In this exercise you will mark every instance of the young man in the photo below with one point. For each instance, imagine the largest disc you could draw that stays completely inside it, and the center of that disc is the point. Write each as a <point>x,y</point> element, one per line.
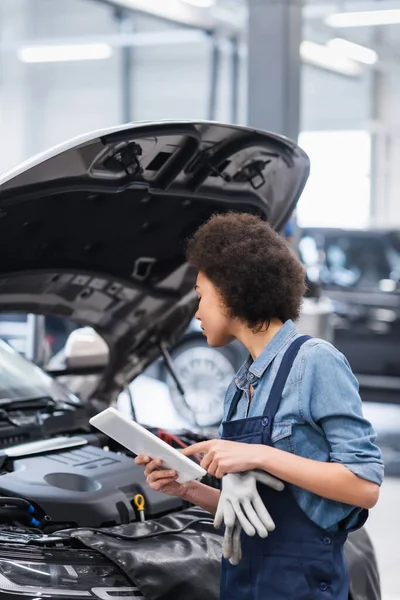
<point>293,411</point>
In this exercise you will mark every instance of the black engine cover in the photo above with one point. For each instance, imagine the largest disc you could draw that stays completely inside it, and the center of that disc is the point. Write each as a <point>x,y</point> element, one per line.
<point>88,486</point>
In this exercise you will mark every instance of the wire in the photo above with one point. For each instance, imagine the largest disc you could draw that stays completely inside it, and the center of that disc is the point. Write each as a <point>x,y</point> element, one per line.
<point>10,500</point>
<point>147,535</point>
<point>131,403</point>
<point>170,437</point>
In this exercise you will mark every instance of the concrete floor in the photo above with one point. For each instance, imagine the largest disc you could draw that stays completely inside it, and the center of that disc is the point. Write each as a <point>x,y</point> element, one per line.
<point>384,527</point>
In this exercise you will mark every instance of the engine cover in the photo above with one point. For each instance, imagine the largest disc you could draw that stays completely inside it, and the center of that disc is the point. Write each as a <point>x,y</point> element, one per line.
<point>87,487</point>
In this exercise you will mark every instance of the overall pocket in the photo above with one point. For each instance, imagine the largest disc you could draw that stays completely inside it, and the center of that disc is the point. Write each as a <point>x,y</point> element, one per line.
<point>280,578</point>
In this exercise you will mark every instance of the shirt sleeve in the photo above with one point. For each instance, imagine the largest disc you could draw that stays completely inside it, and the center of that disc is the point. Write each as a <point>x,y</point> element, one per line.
<point>335,407</point>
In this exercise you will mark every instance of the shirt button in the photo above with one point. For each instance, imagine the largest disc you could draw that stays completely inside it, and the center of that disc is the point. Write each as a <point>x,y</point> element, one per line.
<point>327,541</point>
<point>251,376</point>
<point>265,421</point>
<point>323,586</point>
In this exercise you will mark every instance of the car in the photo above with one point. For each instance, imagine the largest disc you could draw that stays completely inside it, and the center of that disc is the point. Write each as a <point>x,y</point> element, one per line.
<point>94,231</point>
<point>359,270</point>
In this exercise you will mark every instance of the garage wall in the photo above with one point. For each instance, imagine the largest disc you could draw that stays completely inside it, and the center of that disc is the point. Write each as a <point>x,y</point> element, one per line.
<point>43,104</point>
<point>330,101</point>
<point>387,169</point>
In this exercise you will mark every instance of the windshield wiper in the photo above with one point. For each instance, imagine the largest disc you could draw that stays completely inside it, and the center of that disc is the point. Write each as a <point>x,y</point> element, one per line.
<point>35,402</point>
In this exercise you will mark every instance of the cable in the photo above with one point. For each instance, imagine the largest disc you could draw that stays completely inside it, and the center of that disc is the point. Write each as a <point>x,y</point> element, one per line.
<point>131,403</point>
<point>11,514</point>
<point>170,437</point>
<point>147,535</point>
<point>10,500</point>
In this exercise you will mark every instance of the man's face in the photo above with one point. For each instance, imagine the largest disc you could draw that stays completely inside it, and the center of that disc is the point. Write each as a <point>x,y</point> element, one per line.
<point>212,314</point>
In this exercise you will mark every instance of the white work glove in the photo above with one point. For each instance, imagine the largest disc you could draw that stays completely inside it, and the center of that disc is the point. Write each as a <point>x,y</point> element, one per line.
<point>231,545</point>
<point>240,507</point>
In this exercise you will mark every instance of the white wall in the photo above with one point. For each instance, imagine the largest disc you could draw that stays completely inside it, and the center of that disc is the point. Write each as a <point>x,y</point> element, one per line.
<point>387,211</point>
<point>43,104</point>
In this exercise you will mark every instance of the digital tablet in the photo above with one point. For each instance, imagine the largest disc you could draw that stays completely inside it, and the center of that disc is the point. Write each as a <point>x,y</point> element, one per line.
<point>139,440</point>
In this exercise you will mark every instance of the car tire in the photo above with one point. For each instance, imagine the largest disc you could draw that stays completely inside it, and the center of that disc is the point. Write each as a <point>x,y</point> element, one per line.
<point>205,374</point>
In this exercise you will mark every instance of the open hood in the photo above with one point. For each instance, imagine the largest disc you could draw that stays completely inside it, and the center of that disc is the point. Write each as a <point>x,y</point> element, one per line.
<point>95,229</point>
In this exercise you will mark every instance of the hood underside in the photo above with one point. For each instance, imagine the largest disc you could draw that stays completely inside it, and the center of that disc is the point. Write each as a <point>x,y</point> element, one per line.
<point>95,230</point>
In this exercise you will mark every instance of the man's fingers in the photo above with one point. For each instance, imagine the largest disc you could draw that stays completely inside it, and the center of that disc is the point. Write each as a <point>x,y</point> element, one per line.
<point>270,481</point>
<point>263,514</point>
<point>244,522</point>
<point>199,448</point>
<point>254,519</point>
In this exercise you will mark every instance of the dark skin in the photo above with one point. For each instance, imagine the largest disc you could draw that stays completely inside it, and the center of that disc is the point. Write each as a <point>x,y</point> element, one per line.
<point>328,480</point>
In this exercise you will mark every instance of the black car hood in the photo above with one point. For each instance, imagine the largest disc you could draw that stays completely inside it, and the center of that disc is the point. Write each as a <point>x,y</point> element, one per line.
<point>94,230</point>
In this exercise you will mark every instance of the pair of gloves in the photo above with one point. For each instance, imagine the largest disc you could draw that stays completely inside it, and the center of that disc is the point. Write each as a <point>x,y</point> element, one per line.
<point>240,507</point>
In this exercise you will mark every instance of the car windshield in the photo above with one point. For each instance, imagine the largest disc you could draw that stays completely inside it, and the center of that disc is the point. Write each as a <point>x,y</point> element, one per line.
<point>20,378</point>
<point>362,260</point>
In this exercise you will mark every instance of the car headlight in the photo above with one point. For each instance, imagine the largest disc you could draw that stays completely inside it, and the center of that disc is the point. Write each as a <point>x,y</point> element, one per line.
<point>62,573</point>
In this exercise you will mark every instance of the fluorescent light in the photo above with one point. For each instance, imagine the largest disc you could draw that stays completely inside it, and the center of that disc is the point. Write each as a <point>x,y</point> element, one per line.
<point>326,58</point>
<point>364,18</point>
<point>354,51</point>
<point>200,3</point>
<point>57,53</point>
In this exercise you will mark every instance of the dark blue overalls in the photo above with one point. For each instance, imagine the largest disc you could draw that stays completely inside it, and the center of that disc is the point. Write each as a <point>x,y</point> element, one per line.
<point>299,560</point>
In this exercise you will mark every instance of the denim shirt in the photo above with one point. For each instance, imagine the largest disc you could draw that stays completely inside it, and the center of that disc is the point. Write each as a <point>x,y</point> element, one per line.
<point>320,416</point>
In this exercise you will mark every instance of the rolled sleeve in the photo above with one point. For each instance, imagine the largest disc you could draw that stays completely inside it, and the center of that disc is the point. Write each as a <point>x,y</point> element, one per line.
<point>336,408</point>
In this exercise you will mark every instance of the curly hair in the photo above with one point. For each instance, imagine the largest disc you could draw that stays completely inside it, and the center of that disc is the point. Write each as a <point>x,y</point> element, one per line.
<point>256,274</point>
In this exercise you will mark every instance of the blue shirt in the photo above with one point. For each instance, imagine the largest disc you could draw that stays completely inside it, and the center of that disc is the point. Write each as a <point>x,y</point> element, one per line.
<point>320,416</point>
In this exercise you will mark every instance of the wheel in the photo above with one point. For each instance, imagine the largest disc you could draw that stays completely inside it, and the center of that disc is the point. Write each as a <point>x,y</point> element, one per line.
<point>205,374</point>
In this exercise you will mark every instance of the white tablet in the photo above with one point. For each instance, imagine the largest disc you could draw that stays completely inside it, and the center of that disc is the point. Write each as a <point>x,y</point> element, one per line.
<point>139,440</point>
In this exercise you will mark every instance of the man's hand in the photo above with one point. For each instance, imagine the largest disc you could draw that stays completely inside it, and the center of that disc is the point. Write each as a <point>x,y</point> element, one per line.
<point>222,457</point>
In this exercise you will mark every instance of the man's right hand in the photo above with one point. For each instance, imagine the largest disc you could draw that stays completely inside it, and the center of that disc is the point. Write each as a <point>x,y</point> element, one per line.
<point>161,480</point>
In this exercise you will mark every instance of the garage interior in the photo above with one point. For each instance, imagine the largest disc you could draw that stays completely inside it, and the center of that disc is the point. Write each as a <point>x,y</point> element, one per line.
<point>325,73</point>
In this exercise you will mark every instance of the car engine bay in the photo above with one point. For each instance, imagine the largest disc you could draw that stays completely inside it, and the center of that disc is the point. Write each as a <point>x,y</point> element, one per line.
<point>57,491</point>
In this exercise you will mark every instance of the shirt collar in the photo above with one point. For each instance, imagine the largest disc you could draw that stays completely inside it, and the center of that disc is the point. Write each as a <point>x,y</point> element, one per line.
<point>282,338</point>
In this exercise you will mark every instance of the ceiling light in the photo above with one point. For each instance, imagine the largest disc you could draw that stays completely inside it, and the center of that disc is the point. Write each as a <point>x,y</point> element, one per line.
<point>200,3</point>
<point>58,53</point>
<point>326,58</point>
<point>364,18</point>
<point>354,51</point>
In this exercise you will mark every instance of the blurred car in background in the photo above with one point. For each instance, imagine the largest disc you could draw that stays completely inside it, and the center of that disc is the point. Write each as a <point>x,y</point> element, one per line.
<point>359,270</point>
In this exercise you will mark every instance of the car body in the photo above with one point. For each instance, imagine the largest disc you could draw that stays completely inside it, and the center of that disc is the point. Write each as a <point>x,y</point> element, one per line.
<point>359,270</point>
<point>94,231</point>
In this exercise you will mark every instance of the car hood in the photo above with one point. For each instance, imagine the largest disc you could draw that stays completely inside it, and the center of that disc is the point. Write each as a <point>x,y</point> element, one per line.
<point>94,229</point>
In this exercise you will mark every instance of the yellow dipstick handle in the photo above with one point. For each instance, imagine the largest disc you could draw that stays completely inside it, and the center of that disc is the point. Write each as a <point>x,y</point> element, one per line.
<point>139,503</point>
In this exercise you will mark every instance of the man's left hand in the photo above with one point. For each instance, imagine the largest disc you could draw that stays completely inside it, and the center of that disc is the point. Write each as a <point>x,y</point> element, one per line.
<point>222,456</point>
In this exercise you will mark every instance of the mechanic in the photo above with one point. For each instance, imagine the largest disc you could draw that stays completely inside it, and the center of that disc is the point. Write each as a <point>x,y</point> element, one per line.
<point>293,411</point>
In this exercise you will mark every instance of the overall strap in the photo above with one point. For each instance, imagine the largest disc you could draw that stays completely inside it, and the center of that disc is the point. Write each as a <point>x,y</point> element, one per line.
<point>275,395</point>
<point>280,380</point>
